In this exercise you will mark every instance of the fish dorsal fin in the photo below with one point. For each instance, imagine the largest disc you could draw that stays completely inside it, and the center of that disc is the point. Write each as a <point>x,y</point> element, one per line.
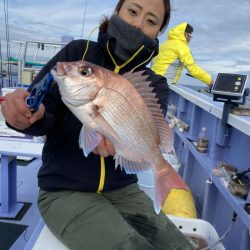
<point>142,85</point>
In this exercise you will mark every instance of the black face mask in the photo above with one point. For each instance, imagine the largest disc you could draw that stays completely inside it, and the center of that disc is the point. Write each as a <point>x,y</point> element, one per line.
<point>125,39</point>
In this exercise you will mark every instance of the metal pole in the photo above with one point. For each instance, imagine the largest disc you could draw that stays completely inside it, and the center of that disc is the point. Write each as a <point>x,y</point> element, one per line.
<point>1,68</point>
<point>84,15</point>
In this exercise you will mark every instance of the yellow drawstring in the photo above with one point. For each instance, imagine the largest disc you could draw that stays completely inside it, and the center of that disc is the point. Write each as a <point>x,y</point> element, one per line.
<point>87,46</point>
<point>116,70</point>
<point>102,171</point>
<point>102,175</point>
<point>144,61</point>
<point>118,67</point>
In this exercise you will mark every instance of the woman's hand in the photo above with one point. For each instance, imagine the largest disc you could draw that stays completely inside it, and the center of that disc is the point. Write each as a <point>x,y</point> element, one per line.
<point>105,148</point>
<point>17,113</point>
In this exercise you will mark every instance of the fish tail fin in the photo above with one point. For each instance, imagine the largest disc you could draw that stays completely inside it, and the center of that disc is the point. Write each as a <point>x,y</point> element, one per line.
<point>166,179</point>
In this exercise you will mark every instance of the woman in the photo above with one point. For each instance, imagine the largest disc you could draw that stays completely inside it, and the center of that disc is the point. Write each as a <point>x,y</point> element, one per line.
<point>85,202</point>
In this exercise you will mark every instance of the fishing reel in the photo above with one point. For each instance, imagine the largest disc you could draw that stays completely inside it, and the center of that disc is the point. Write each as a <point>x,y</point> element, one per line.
<point>239,184</point>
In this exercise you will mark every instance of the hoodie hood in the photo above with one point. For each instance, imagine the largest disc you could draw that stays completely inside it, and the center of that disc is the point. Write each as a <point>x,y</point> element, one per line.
<point>177,33</point>
<point>124,41</point>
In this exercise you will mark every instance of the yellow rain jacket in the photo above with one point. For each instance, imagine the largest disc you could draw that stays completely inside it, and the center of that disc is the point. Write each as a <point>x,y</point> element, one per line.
<point>174,54</point>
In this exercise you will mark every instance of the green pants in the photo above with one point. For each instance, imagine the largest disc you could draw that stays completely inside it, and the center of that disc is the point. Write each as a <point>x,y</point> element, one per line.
<point>122,219</point>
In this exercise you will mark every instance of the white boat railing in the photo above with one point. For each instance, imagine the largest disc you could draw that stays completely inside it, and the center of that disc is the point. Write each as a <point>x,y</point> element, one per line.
<point>26,60</point>
<point>28,69</point>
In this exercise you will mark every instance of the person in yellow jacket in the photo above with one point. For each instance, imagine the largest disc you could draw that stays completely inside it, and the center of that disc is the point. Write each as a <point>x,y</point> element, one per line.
<point>175,54</point>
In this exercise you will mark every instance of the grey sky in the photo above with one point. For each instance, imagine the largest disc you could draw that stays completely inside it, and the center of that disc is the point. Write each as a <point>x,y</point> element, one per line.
<point>221,38</point>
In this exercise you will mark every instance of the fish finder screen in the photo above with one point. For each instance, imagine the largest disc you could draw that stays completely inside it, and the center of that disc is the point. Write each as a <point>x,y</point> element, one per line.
<point>230,83</point>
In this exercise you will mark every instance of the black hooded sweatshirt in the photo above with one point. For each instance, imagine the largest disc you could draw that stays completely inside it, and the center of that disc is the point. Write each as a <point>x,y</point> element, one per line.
<point>64,166</point>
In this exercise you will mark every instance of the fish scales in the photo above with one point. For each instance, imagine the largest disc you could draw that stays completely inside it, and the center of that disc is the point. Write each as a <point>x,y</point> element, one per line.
<point>123,117</point>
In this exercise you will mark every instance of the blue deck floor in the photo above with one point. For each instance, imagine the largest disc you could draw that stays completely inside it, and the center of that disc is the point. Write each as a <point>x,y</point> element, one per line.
<point>27,191</point>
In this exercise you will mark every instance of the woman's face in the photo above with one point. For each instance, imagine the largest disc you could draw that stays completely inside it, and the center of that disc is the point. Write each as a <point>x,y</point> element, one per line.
<point>146,15</point>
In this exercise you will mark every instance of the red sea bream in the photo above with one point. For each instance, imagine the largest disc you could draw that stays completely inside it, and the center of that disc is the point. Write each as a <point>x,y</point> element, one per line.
<point>124,110</point>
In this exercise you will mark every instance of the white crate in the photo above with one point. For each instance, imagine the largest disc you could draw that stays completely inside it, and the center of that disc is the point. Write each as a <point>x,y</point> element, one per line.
<point>198,228</point>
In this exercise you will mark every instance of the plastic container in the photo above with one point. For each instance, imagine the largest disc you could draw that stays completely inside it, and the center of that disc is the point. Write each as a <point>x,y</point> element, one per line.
<point>146,179</point>
<point>172,160</point>
<point>146,182</point>
<point>198,229</point>
<point>46,240</point>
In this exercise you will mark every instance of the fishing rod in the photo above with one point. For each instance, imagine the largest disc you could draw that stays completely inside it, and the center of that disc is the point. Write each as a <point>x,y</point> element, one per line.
<point>187,74</point>
<point>84,16</point>
<point>1,68</point>
<point>6,18</point>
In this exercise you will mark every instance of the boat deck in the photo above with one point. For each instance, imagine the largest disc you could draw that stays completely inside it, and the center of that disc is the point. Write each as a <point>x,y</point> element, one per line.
<point>214,201</point>
<point>18,231</point>
<point>19,214</point>
<point>228,144</point>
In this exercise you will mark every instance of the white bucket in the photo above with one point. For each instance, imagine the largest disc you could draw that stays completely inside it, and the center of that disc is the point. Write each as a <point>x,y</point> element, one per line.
<point>46,240</point>
<point>198,229</point>
<point>172,160</point>
<point>146,178</point>
<point>146,182</point>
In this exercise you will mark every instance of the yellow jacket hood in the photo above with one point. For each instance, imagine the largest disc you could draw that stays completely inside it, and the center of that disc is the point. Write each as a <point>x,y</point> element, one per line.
<point>177,33</point>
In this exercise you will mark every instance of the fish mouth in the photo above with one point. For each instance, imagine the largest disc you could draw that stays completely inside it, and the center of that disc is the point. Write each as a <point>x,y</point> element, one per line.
<point>57,76</point>
<point>60,69</point>
<point>58,72</point>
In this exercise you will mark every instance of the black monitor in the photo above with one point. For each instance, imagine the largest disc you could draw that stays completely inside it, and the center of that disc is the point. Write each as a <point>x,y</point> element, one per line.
<point>230,86</point>
<point>230,89</point>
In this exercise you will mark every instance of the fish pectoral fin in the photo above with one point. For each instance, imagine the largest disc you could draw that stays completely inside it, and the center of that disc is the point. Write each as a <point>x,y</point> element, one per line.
<point>165,180</point>
<point>131,167</point>
<point>106,129</point>
<point>88,140</point>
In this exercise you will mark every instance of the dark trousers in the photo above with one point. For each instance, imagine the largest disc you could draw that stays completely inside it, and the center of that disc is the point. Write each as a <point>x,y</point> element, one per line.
<point>122,219</point>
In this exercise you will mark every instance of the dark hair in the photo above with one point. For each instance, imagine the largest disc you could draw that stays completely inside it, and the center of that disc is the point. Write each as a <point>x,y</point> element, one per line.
<point>104,22</point>
<point>189,29</point>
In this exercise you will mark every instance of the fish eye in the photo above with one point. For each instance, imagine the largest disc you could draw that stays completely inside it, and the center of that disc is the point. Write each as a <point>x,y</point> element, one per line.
<point>86,71</point>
